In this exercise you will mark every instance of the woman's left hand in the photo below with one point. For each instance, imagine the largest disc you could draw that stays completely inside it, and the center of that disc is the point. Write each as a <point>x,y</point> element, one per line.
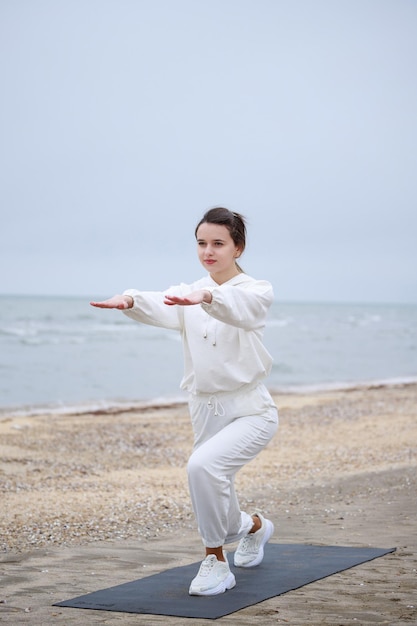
<point>196,297</point>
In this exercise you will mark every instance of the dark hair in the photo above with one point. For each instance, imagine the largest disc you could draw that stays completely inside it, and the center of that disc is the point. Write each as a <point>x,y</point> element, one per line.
<point>234,222</point>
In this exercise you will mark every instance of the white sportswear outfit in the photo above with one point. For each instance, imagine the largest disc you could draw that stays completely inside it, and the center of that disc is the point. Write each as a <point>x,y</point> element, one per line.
<point>232,413</point>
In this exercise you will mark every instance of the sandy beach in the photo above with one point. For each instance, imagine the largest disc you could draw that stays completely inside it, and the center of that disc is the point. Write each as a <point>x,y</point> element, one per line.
<point>94,500</point>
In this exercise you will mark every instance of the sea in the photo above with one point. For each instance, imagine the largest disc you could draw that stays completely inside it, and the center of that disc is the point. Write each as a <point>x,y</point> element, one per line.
<point>59,354</point>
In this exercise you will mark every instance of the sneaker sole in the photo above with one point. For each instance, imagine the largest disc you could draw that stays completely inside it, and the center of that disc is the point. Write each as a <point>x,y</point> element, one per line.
<point>257,560</point>
<point>229,583</point>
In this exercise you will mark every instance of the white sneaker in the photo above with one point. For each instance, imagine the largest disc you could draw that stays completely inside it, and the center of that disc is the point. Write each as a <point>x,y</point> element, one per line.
<point>213,577</point>
<point>250,550</point>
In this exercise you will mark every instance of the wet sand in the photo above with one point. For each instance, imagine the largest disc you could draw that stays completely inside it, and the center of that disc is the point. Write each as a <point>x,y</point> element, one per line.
<point>91,501</point>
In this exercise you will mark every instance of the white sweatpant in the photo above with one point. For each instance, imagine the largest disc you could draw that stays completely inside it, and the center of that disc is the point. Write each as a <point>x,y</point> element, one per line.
<point>229,431</point>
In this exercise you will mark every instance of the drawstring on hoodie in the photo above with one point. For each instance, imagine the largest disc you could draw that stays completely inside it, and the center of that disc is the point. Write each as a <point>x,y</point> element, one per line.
<point>205,335</point>
<point>214,403</point>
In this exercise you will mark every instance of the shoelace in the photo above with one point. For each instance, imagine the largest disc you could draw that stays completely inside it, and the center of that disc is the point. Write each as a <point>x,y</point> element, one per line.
<point>214,403</point>
<point>246,542</point>
<point>206,566</point>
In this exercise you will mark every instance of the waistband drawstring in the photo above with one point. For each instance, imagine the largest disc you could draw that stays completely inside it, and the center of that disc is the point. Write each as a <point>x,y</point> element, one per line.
<point>216,405</point>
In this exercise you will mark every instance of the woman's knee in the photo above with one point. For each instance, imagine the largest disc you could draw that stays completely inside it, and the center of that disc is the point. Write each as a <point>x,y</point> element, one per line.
<point>194,466</point>
<point>199,465</point>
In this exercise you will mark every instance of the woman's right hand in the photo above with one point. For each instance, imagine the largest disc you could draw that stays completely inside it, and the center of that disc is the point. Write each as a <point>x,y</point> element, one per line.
<point>116,302</point>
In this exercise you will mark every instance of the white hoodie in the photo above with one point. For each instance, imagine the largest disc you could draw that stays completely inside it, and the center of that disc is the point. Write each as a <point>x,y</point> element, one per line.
<point>222,341</point>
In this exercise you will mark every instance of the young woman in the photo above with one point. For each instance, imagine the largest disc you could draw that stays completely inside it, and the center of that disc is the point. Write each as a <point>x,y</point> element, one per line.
<point>221,319</point>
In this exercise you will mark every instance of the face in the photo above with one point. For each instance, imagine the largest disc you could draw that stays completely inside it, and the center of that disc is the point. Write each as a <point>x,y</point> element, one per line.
<point>217,251</point>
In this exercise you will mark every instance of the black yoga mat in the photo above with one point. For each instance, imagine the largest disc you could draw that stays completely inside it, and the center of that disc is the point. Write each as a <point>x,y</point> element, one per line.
<point>285,567</point>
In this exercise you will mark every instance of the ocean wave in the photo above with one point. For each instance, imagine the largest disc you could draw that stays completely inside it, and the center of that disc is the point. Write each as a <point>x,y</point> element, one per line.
<point>303,389</point>
<point>120,406</point>
<point>364,319</point>
<point>55,334</point>
<point>98,406</point>
<point>279,323</point>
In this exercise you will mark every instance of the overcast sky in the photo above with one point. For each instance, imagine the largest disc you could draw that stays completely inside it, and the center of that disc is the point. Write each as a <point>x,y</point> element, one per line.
<point>122,121</point>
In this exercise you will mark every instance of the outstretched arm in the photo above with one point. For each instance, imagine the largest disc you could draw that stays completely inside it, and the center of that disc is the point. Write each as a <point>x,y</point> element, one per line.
<point>243,306</point>
<point>196,297</point>
<point>116,302</point>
